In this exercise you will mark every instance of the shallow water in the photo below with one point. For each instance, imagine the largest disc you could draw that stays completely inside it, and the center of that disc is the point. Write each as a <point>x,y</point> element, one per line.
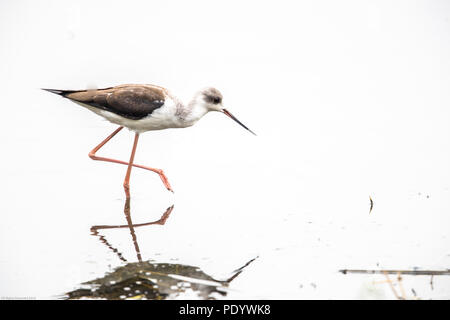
<point>362,113</point>
<point>66,223</point>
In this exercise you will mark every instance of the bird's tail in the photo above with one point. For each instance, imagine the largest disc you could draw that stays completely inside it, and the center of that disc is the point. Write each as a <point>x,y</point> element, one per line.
<point>60,92</point>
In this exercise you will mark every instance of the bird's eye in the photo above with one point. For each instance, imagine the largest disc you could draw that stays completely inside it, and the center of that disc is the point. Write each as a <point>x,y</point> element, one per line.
<point>216,100</point>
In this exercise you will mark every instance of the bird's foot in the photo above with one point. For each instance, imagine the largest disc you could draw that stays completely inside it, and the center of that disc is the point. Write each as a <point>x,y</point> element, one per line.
<point>165,180</point>
<point>126,187</point>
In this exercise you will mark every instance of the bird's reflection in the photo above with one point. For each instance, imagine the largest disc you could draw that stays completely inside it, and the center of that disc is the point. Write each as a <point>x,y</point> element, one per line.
<point>149,279</point>
<point>131,226</point>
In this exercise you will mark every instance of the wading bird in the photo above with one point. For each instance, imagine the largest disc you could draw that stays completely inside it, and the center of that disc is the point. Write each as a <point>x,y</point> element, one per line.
<point>141,108</point>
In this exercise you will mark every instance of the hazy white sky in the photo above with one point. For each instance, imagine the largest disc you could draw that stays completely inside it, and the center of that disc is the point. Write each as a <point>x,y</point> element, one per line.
<point>348,98</point>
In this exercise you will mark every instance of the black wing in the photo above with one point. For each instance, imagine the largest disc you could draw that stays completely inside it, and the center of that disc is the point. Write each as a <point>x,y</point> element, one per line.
<point>129,101</point>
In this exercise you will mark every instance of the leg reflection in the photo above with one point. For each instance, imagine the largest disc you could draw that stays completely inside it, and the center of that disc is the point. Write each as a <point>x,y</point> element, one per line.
<point>161,221</point>
<point>150,279</point>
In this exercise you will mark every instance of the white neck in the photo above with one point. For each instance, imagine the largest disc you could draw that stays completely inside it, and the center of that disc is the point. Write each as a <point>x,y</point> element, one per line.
<point>194,111</point>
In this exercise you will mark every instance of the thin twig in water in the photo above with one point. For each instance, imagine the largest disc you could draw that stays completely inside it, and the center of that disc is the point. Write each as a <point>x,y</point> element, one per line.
<point>400,285</point>
<point>392,286</point>
<point>404,272</point>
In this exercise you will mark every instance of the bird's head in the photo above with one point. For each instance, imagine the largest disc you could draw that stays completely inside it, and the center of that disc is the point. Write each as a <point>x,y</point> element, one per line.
<point>211,98</point>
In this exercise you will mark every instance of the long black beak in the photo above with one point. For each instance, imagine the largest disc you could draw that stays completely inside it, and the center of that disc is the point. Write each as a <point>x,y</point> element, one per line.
<point>235,119</point>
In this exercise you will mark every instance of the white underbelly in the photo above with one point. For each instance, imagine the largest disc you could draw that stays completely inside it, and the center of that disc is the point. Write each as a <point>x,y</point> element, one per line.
<point>161,118</point>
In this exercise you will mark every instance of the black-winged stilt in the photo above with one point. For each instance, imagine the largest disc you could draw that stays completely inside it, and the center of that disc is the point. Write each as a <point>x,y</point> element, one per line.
<point>141,108</point>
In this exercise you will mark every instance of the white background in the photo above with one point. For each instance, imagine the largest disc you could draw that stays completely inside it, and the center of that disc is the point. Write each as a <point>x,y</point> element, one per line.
<point>349,99</point>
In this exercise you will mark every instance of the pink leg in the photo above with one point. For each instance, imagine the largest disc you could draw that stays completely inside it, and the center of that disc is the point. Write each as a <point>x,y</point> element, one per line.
<point>93,156</point>
<point>126,182</point>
